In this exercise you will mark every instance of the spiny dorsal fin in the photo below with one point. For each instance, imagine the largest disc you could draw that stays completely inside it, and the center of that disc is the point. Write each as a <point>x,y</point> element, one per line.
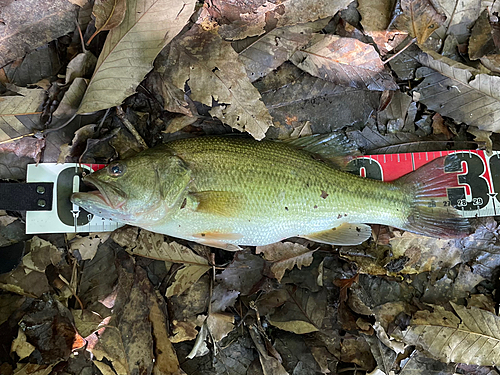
<point>328,146</point>
<point>222,203</point>
<point>346,234</point>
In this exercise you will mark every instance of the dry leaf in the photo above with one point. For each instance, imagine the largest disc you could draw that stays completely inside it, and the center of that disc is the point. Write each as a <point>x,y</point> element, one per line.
<point>166,362</point>
<point>252,18</point>
<point>345,61</point>
<point>87,246</point>
<point>185,278</point>
<point>108,14</point>
<point>173,99</point>
<point>439,127</point>
<point>270,365</point>
<point>213,72</point>
<point>299,101</point>
<point>31,24</point>
<point>71,99</point>
<point>223,298</point>
<point>220,325</point>
<point>467,336</point>
<point>130,49</point>
<point>82,66</point>
<point>375,14</point>
<point>263,54</point>
<point>285,255</point>
<point>356,350</point>
<point>20,346</point>
<point>460,16</point>
<point>184,331</point>
<point>482,136</point>
<point>243,274</point>
<point>481,40</point>
<point>419,18</point>
<point>34,67</point>
<point>80,3</point>
<point>492,62</point>
<point>303,312</point>
<point>458,91</point>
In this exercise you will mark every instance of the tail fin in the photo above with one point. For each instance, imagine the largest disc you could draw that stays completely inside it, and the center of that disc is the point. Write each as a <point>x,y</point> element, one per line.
<point>432,214</point>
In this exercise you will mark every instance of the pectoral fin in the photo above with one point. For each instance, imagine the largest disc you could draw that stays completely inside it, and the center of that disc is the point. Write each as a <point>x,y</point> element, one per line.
<point>345,234</point>
<point>222,203</point>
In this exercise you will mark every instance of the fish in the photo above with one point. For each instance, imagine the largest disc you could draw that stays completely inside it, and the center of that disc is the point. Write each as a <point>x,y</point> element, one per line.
<point>229,191</point>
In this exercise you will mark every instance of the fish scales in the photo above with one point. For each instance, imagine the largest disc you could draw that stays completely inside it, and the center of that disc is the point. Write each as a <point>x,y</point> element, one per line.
<point>244,192</point>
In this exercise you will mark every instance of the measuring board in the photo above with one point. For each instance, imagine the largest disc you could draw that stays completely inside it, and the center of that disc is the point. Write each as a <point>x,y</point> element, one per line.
<point>474,195</point>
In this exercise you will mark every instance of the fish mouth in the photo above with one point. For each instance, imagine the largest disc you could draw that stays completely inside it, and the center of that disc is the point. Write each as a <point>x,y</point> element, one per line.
<point>105,195</point>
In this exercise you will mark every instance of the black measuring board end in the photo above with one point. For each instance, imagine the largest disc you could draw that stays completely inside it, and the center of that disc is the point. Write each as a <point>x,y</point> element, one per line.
<point>32,196</point>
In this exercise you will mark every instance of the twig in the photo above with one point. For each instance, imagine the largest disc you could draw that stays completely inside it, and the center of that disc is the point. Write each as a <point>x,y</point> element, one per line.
<point>130,127</point>
<point>397,53</point>
<point>40,133</point>
<point>81,37</point>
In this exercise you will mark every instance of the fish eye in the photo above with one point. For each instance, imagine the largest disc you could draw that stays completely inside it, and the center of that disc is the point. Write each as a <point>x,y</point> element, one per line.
<point>116,169</point>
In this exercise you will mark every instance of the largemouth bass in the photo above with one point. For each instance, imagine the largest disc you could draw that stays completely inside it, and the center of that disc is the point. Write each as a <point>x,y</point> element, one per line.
<point>231,191</point>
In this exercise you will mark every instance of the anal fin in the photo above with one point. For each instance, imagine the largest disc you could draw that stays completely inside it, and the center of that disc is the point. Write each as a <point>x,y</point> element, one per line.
<point>346,234</point>
<point>219,240</point>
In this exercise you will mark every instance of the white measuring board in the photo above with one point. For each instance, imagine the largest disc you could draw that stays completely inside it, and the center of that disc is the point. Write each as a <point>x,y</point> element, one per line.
<point>64,217</point>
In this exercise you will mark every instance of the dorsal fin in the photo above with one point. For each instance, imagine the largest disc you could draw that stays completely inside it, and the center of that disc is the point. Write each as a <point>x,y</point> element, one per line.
<point>335,147</point>
<point>326,145</point>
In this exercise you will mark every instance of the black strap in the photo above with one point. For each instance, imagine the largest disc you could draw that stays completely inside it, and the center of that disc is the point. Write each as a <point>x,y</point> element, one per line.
<point>33,196</point>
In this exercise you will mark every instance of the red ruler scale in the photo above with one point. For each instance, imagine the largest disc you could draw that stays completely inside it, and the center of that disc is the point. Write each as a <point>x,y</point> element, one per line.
<point>478,176</point>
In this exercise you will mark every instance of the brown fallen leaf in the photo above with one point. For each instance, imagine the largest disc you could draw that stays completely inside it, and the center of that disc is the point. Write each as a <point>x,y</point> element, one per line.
<point>468,336</point>
<point>303,312</point>
<point>356,350</point>
<point>299,101</point>
<point>149,26</point>
<point>49,327</point>
<point>184,331</point>
<point>419,18</point>
<point>29,277</point>
<point>482,136</point>
<point>458,91</point>
<point>108,15</point>
<point>375,14</point>
<point>285,255</point>
<point>82,66</point>
<point>31,24</point>
<point>220,325</point>
<point>250,18</point>
<point>244,274</point>
<point>222,298</point>
<point>439,127</point>
<point>166,362</point>
<point>481,41</point>
<point>213,72</point>
<point>185,277</point>
<point>87,246</point>
<point>270,365</point>
<point>20,346</point>
<point>262,54</point>
<point>460,16</point>
<point>345,61</point>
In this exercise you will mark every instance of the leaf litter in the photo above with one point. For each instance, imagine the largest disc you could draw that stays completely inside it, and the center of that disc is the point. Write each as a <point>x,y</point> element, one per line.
<point>138,302</point>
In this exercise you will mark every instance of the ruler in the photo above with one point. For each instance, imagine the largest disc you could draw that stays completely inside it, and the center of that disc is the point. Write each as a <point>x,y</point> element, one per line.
<point>474,195</point>
<point>65,217</point>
